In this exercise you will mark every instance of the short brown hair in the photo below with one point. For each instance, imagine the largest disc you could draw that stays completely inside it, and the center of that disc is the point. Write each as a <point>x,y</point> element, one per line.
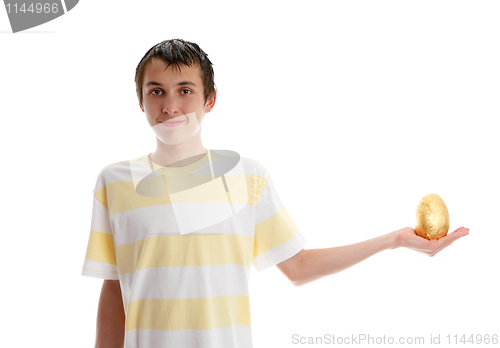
<point>177,51</point>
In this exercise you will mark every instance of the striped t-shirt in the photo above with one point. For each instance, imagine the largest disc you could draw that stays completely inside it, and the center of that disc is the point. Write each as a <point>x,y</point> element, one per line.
<point>181,241</point>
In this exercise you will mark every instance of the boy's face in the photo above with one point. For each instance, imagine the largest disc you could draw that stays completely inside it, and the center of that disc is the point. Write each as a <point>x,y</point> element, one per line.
<point>173,95</point>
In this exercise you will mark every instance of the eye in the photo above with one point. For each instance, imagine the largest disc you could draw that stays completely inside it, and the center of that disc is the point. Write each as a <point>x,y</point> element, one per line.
<point>185,90</point>
<point>154,90</point>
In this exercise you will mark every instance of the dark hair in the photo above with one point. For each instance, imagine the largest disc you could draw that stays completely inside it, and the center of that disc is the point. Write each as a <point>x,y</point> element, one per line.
<point>177,51</point>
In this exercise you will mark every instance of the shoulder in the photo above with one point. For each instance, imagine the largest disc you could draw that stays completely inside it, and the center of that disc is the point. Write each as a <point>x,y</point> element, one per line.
<point>253,166</point>
<point>116,166</point>
<point>116,171</point>
<point>231,159</point>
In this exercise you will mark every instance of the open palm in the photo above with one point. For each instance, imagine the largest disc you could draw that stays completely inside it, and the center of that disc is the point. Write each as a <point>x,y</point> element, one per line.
<point>408,238</point>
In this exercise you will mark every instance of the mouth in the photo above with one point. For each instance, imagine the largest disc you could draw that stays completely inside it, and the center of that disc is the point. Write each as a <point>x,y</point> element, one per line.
<point>175,119</point>
<point>172,122</point>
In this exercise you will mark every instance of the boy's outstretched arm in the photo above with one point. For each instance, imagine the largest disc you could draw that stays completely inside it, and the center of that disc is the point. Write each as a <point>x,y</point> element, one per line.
<point>312,264</point>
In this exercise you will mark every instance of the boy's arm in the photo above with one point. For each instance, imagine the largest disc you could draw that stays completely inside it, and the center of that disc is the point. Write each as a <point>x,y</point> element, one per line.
<point>110,332</point>
<point>313,264</point>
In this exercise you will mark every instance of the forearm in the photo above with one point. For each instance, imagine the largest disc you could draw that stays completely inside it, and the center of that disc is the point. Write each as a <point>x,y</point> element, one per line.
<point>318,263</point>
<point>110,331</point>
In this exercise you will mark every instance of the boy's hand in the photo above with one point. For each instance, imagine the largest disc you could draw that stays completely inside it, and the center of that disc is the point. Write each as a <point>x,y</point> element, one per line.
<point>407,238</point>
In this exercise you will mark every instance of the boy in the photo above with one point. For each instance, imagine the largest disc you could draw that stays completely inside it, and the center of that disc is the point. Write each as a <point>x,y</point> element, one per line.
<point>174,233</point>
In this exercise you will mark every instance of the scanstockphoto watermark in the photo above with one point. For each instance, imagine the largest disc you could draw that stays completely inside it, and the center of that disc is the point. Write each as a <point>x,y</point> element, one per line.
<point>355,339</point>
<point>436,339</point>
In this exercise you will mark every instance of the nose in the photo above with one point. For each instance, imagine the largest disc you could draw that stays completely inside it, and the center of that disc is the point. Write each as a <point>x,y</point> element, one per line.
<point>170,107</point>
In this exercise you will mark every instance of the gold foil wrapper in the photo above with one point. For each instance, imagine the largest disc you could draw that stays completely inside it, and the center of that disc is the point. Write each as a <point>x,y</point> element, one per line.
<point>433,220</point>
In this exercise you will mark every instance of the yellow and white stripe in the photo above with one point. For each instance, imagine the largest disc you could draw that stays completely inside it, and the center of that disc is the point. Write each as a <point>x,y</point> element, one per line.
<point>181,241</point>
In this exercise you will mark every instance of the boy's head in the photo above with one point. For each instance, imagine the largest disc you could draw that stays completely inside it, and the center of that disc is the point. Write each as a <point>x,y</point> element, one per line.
<point>177,51</point>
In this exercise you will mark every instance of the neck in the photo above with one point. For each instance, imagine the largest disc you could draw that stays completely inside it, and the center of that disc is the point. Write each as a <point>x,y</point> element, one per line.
<point>179,155</point>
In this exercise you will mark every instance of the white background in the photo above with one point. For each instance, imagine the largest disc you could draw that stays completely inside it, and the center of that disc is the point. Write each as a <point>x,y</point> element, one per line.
<point>358,109</point>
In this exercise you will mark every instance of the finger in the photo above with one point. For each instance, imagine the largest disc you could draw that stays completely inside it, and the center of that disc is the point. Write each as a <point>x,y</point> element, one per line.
<point>449,239</point>
<point>446,242</point>
<point>432,247</point>
<point>429,247</point>
<point>460,232</point>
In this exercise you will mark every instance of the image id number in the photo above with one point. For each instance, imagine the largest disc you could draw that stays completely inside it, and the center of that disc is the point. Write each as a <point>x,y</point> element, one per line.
<point>474,339</point>
<point>38,8</point>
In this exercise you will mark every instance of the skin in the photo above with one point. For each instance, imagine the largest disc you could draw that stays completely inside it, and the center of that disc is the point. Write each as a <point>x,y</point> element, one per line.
<point>110,328</point>
<point>181,145</point>
<point>312,264</point>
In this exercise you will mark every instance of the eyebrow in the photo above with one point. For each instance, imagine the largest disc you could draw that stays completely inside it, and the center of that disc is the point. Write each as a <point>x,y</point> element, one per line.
<point>182,83</point>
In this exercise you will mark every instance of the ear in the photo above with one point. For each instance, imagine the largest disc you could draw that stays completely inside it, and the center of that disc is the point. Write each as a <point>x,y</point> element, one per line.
<point>210,102</point>
<point>142,108</point>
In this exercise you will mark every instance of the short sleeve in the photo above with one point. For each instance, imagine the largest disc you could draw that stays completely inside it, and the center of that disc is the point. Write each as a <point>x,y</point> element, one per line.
<point>276,237</point>
<point>100,258</point>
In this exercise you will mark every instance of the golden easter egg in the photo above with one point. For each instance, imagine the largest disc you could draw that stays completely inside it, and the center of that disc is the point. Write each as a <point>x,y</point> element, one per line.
<point>433,220</point>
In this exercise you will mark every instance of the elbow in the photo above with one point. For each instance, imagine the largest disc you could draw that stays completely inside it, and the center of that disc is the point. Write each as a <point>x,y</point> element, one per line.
<point>297,283</point>
<point>296,279</point>
<point>297,276</point>
<point>292,268</point>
